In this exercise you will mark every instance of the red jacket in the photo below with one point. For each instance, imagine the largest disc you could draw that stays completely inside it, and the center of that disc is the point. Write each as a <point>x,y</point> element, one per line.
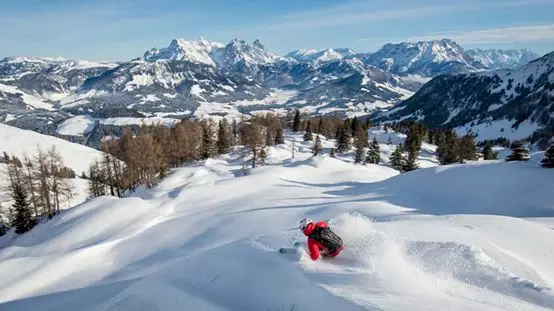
<point>314,246</point>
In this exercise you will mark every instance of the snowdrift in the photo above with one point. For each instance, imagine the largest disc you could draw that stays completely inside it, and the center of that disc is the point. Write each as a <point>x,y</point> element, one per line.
<point>207,237</point>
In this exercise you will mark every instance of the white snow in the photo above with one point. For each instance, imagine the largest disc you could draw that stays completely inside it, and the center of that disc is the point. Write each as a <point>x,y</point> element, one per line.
<point>458,237</point>
<point>18,142</point>
<point>499,128</point>
<point>9,117</point>
<point>168,95</point>
<point>196,90</point>
<point>138,81</point>
<point>80,125</point>
<point>27,98</point>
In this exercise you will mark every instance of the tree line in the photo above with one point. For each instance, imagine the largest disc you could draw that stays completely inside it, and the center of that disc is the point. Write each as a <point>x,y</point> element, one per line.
<point>37,185</point>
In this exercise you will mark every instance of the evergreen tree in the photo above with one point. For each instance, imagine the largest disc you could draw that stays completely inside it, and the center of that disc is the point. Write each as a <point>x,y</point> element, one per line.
<point>316,148</point>
<point>355,125</point>
<point>359,152</point>
<point>207,141</point>
<point>374,153</point>
<point>235,132</point>
<point>397,160</point>
<point>467,149</point>
<point>343,141</point>
<point>548,160</point>
<point>23,220</point>
<point>308,136</point>
<point>279,138</point>
<point>296,122</point>
<point>320,126</point>
<point>411,162</point>
<point>332,153</point>
<point>488,154</point>
<point>447,148</point>
<point>389,141</point>
<point>519,152</point>
<point>223,140</point>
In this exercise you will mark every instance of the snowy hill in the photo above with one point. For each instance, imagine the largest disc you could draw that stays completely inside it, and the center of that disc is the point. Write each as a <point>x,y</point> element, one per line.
<point>441,238</point>
<point>502,59</point>
<point>18,142</point>
<point>502,103</point>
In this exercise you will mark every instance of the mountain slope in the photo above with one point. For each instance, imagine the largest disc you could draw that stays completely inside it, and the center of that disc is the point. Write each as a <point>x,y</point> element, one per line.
<point>427,58</point>
<point>178,244</point>
<point>503,103</point>
<point>502,59</point>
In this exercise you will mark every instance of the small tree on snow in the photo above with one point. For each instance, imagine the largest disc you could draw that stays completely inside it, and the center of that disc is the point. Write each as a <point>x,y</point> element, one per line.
<point>23,221</point>
<point>397,160</point>
<point>519,152</point>
<point>374,153</point>
<point>548,160</point>
<point>488,154</point>
<point>308,136</point>
<point>316,148</point>
<point>332,153</point>
<point>263,155</point>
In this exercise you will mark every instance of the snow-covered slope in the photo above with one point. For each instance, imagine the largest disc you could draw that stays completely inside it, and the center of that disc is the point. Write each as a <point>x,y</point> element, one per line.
<point>311,55</point>
<point>442,238</point>
<point>501,103</point>
<point>18,142</point>
<point>502,59</point>
<point>427,58</point>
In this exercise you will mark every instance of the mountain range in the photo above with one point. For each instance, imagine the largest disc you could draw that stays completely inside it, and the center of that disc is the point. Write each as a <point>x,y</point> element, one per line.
<point>200,78</point>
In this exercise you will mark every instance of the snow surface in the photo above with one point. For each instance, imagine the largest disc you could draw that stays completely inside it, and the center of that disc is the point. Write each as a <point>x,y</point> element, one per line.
<point>499,128</point>
<point>80,125</point>
<point>18,142</point>
<point>443,238</point>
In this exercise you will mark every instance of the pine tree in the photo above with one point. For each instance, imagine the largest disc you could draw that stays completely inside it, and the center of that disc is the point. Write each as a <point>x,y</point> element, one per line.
<point>355,125</point>
<point>447,148</point>
<point>320,126</point>
<point>389,141</point>
<point>279,138</point>
<point>343,141</point>
<point>316,148</point>
<point>359,154</point>
<point>308,136</point>
<point>367,124</point>
<point>296,122</point>
<point>374,152</point>
<point>548,160</point>
<point>23,220</point>
<point>411,162</point>
<point>467,149</point>
<point>223,141</point>
<point>519,152</point>
<point>235,132</point>
<point>488,153</point>
<point>397,160</point>
<point>332,153</point>
<point>207,141</point>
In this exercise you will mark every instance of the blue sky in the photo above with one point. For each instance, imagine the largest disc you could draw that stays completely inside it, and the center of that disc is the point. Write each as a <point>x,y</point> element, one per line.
<point>124,29</point>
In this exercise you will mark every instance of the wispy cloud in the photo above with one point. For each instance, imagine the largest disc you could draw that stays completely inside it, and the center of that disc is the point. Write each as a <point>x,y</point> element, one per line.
<point>539,33</point>
<point>366,12</point>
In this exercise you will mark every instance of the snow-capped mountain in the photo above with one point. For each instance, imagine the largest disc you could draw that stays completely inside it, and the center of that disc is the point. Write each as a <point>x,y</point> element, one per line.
<point>325,55</point>
<point>198,51</point>
<point>502,59</point>
<point>503,103</point>
<point>235,53</point>
<point>427,58</point>
<point>48,78</point>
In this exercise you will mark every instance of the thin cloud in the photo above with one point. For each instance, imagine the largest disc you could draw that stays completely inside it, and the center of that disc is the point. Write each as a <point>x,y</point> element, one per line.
<point>539,33</point>
<point>365,12</point>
